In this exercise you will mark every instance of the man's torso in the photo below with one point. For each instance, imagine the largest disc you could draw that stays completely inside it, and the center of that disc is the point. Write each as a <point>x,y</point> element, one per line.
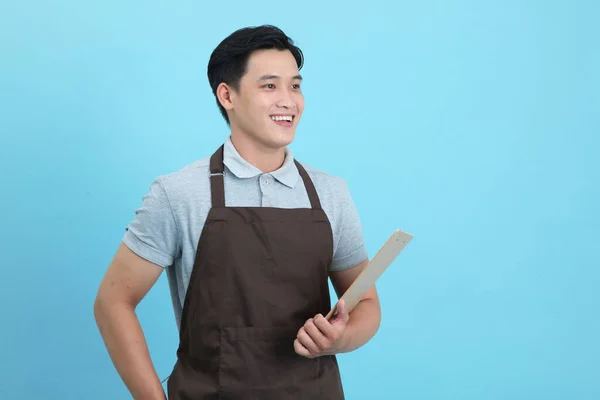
<point>170,220</point>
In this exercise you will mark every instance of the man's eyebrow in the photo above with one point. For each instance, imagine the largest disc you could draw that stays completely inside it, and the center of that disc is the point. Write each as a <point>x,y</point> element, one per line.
<point>269,77</point>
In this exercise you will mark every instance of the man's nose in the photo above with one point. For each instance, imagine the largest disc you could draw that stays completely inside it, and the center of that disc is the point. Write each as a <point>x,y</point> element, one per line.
<point>286,100</point>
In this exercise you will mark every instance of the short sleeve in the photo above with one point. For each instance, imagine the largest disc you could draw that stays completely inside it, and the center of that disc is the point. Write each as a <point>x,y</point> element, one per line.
<point>350,248</point>
<point>153,233</point>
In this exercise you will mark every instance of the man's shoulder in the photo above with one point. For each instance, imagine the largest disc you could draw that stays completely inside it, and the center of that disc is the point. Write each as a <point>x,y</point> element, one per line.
<point>336,200</point>
<point>187,180</point>
<point>321,175</point>
<point>330,186</point>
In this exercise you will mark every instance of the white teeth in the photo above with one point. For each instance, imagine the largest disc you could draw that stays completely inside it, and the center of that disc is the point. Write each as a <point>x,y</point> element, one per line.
<point>282,118</point>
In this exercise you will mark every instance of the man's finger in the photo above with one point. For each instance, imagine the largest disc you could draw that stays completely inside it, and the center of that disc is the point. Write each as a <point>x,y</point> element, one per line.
<point>319,337</point>
<point>341,312</point>
<point>325,327</point>
<point>301,350</point>
<point>306,341</point>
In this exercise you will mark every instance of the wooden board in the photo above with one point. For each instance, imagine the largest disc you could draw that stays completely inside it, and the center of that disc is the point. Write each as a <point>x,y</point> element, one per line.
<point>367,278</point>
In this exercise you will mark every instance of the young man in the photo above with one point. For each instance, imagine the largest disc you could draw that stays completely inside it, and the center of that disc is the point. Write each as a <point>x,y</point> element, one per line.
<point>249,238</point>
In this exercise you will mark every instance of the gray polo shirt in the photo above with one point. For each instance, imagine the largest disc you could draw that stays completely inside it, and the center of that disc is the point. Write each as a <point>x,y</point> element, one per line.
<point>167,225</point>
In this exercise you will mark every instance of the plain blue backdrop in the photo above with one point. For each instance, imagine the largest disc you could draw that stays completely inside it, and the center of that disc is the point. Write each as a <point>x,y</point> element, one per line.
<point>472,125</point>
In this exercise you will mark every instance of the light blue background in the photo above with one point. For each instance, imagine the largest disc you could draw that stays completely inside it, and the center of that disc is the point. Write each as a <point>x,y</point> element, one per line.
<point>472,125</point>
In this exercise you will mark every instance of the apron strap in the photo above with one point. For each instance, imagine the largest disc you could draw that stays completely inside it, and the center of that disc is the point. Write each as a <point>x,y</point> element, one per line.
<point>217,186</point>
<point>310,187</point>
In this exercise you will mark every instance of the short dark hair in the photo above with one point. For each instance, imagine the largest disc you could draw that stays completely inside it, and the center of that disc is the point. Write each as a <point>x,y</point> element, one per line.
<point>229,59</point>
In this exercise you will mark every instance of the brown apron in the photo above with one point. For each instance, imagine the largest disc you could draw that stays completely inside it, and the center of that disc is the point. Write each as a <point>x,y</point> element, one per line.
<point>259,274</point>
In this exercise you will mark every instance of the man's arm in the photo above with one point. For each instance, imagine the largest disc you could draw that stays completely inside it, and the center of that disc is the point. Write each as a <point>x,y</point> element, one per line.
<point>365,318</point>
<point>126,282</point>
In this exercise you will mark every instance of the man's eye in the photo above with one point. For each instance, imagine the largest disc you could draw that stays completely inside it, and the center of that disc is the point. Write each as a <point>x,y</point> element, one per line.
<point>296,86</point>
<point>270,86</point>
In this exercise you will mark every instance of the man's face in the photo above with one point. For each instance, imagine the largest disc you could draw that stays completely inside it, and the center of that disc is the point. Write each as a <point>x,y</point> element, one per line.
<point>269,103</point>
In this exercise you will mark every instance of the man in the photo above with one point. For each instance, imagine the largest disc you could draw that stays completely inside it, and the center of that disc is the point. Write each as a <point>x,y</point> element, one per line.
<point>249,238</point>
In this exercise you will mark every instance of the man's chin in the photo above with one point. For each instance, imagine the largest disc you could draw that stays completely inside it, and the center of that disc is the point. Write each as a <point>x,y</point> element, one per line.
<point>282,138</point>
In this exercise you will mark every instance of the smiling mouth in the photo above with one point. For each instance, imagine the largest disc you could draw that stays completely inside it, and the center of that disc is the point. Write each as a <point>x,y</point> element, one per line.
<point>288,118</point>
<point>283,120</point>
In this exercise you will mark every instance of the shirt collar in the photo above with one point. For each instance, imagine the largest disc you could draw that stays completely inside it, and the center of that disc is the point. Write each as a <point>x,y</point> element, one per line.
<point>287,174</point>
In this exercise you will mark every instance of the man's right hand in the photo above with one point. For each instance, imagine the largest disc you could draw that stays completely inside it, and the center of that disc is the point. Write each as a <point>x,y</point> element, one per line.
<point>128,279</point>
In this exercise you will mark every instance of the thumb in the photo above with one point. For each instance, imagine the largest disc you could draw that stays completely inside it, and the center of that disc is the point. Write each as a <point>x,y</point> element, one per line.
<point>341,312</point>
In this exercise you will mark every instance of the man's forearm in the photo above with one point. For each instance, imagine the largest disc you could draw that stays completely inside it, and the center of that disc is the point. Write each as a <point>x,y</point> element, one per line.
<point>363,324</point>
<point>125,342</point>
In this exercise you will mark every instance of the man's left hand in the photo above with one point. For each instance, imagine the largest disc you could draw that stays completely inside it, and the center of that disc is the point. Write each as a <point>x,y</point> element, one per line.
<point>319,337</point>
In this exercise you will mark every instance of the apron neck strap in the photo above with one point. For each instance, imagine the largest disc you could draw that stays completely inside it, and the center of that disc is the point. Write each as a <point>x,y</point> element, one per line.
<point>310,187</point>
<point>217,185</point>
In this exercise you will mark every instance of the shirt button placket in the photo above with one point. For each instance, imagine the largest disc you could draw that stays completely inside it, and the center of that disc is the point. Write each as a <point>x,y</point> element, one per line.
<point>265,183</point>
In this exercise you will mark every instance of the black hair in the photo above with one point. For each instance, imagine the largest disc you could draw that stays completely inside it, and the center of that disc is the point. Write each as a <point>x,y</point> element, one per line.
<point>229,59</point>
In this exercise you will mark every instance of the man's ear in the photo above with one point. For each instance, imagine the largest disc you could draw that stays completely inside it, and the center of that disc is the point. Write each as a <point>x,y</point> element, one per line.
<point>225,95</point>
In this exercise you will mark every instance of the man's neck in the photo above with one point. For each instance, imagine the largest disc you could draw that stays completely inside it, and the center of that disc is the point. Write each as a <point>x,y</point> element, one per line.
<point>265,158</point>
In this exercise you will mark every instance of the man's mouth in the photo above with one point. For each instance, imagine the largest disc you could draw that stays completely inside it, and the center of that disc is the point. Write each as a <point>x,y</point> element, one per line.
<point>283,120</point>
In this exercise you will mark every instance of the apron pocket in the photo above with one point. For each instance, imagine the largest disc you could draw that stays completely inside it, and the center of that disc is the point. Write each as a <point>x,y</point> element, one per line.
<point>256,359</point>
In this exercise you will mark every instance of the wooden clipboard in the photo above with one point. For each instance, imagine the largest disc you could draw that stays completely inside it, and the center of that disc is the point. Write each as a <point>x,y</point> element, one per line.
<point>367,278</point>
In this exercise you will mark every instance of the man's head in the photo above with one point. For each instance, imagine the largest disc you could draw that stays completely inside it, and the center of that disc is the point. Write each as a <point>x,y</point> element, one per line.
<point>254,75</point>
